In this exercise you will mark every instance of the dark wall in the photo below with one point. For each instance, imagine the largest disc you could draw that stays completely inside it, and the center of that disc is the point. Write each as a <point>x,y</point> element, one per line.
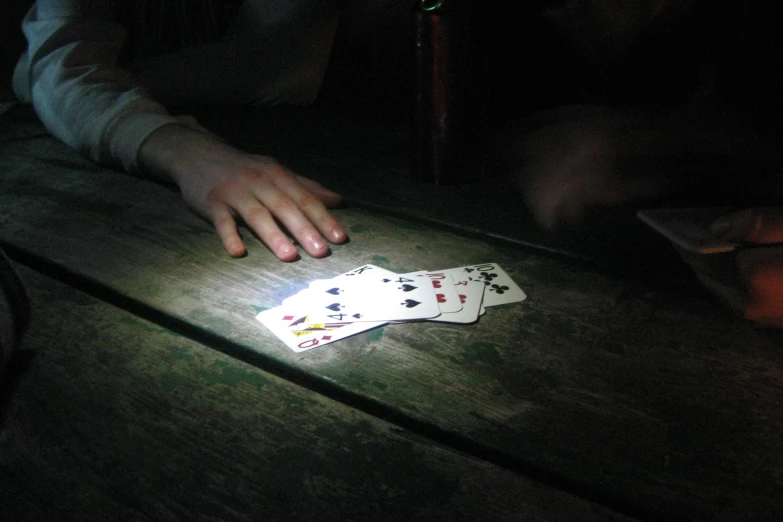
<point>11,38</point>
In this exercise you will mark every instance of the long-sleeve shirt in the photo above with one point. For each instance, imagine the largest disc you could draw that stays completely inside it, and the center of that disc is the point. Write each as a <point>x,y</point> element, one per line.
<point>85,95</point>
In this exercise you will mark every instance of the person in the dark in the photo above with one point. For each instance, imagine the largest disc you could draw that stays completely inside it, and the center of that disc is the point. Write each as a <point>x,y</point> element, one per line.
<point>659,121</point>
<point>103,74</point>
<point>679,106</point>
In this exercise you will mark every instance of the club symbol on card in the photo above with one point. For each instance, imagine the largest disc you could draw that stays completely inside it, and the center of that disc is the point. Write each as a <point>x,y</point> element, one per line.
<point>406,288</point>
<point>410,303</point>
<point>498,289</point>
<point>334,291</point>
<point>335,307</point>
<point>488,277</point>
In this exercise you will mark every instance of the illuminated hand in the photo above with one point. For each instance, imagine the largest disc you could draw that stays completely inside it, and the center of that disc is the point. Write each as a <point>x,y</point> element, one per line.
<point>749,279</point>
<point>224,185</point>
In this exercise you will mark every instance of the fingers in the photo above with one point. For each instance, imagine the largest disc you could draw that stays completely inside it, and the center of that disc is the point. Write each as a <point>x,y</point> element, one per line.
<point>749,281</point>
<point>761,270</point>
<point>299,209</point>
<point>264,196</point>
<point>267,195</point>
<point>260,219</point>
<point>226,228</point>
<point>329,198</point>
<point>754,225</point>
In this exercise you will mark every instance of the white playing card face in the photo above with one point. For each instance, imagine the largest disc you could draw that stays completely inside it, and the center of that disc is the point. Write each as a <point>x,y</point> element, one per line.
<point>293,330</point>
<point>366,271</point>
<point>470,294</point>
<point>499,288</point>
<point>301,298</point>
<point>687,228</point>
<point>445,291</point>
<point>378,298</point>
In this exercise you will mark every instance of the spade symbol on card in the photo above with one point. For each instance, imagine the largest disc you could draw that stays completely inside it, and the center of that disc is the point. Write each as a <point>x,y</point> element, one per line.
<point>410,303</point>
<point>386,280</point>
<point>357,316</point>
<point>406,288</point>
<point>334,291</point>
<point>335,307</point>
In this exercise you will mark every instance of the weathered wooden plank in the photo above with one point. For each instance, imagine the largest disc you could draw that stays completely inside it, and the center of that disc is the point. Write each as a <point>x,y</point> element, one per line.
<point>116,418</point>
<point>643,394</point>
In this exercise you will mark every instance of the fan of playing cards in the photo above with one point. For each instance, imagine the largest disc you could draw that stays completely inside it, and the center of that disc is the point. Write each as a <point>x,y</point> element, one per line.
<point>369,296</point>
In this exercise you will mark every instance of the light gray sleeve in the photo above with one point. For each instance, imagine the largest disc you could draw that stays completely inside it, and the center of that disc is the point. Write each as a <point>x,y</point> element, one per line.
<point>70,74</point>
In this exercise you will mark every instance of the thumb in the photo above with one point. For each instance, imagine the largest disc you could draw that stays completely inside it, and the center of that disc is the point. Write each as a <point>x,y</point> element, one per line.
<point>759,225</point>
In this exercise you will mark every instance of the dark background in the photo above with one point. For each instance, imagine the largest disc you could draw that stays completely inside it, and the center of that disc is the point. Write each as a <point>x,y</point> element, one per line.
<point>526,65</point>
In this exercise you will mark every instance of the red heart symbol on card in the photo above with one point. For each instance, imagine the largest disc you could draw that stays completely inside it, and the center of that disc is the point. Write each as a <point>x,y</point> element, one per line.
<point>436,284</point>
<point>441,298</point>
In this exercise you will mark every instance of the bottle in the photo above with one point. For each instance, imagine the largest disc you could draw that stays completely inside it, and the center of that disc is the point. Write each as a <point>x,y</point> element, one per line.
<point>448,105</point>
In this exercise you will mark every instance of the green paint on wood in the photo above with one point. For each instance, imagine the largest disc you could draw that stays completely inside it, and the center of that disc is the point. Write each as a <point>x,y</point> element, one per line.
<point>380,261</point>
<point>403,480</point>
<point>172,381</point>
<point>419,248</point>
<point>384,262</point>
<point>375,335</point>
<point>182,354</point>
<point>484,353</point>
<point>380,385</point>
<point>231,375</point>
<point>259,309</point>
<point>359,228</point>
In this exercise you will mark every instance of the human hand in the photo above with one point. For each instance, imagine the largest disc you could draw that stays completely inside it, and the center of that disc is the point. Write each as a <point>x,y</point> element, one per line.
<point>571,159</point>
<point>749,279</point>
<point>225,185</point>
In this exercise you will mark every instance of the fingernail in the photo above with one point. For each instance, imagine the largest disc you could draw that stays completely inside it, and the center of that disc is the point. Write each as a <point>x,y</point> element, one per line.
<point>337,234</point>
<point>317,244</point>
<point>286,249</point>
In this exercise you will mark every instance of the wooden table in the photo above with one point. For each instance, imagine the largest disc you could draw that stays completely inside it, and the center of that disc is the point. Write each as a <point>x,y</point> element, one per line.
<point>146,389</point>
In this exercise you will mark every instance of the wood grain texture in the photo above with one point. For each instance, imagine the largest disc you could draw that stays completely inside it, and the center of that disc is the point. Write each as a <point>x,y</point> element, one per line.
<point>644,395</point>
<point>116,418</point>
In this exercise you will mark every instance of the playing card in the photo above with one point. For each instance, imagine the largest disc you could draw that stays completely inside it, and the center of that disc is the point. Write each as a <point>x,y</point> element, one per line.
<point>374,298</point>
<point>301,298</point>
<point>688,228</point>
<point>499,288</point>
<point>293,330</point>
<point>445,292</point>
<point>470,294</point>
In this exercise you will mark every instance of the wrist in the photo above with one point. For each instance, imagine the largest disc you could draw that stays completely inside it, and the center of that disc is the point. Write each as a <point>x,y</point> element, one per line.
<point>166,154</point>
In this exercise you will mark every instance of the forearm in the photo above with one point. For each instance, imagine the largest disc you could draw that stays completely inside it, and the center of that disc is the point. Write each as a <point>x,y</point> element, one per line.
<point>71,76</point>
